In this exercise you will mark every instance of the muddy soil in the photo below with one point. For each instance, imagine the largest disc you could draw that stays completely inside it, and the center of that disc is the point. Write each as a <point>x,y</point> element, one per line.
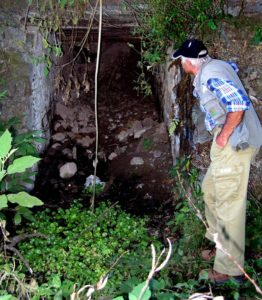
<point>134,155</point>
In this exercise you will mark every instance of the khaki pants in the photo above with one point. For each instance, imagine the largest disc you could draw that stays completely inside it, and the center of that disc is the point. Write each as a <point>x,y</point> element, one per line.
<point>225,189</point>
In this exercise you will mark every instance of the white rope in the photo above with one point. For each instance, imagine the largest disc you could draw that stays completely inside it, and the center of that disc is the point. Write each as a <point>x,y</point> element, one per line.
<point>96,92</point>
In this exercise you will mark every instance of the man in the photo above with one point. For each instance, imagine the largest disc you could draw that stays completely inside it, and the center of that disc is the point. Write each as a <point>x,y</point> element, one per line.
<point>231,118</point>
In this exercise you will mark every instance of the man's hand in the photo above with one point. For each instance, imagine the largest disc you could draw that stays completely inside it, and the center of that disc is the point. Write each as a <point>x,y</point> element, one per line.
<point>221,140</point>
<point>232,121</point>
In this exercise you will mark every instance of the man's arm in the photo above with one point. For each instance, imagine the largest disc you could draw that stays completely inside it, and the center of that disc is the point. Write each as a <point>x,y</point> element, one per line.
<point>233,119</point>
<point>235,101</point>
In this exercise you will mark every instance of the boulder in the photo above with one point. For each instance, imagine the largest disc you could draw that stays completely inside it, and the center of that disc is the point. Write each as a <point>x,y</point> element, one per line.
<point>68,170</point>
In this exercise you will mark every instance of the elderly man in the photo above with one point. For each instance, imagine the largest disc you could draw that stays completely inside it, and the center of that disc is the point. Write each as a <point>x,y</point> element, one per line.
<point>232,120</point>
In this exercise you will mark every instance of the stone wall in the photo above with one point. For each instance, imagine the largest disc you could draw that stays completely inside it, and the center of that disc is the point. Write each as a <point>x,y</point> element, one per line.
<point>29,92</point>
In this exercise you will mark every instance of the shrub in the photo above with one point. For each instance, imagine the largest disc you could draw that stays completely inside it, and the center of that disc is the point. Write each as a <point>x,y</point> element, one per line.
<point>82,245</point>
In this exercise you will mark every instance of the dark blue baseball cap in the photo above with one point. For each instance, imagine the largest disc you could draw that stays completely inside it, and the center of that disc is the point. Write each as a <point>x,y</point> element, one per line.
<point>191,48</point>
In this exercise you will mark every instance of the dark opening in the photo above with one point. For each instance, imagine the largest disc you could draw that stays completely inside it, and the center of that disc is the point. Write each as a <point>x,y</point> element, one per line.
<point>134,153</point>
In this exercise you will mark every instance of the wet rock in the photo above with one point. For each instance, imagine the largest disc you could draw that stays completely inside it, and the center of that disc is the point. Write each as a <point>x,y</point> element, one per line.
<point>136,161</point>
<point>68,170</point>
<point>59,137</point>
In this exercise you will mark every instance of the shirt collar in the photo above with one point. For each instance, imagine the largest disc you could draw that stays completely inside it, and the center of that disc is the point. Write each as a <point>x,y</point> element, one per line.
<point>197,77</point>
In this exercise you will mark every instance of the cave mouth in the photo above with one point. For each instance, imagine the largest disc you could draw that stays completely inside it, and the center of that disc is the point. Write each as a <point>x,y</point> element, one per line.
<point>134,155</point>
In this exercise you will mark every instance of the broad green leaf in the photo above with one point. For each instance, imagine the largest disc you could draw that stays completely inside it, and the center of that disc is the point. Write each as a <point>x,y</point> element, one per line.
<point>137,290</point>
<point>58,295</point>
<point>2,174</point>
<point>7,297</point>
<point>55,281</point>
<point>132,296</point>
<point>17,219</point>
<point>3,201</point>
<point>26,213</point>
<point>20,164</point>
<point>67,288</point>
<point>24,199</point>
<point>5,144</point>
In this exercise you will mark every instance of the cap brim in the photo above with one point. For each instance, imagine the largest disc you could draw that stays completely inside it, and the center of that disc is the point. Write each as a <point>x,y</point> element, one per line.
<point>177,54</point>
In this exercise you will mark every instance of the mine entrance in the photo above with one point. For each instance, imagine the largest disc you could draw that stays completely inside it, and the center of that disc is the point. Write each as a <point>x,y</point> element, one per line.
<point>134,152</point>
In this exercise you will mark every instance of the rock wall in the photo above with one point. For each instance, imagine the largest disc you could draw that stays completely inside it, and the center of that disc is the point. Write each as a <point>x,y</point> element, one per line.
<point>29,91</point>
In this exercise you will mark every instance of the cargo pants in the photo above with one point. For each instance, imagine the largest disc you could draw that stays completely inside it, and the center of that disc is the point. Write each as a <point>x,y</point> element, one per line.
<point>225,190</point>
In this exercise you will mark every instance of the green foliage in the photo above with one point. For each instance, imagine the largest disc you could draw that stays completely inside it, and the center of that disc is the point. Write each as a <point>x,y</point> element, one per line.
<point>82,245</point>
<point>50,16</point>
<point>254,225</point>
<point>147,144</point>
<point>135,293</point>
<point>172,126</point>
<point>98,189</point>
<point>15,285</point>
<point>257,37</point>
<point>162,23</point>
<point>185,224</point>
<point>10,165</point>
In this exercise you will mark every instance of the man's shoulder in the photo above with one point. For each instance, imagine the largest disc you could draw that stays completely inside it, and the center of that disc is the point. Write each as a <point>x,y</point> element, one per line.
<point>214,68</point>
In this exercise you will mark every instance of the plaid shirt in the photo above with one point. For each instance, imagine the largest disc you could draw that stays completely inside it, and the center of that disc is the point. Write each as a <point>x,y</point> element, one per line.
<point>229,94</point>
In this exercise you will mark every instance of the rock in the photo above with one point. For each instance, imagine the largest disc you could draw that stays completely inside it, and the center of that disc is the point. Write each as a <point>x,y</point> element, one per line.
<point>68,170</point>
<point>254,75</point>
<point>56,146</point>
<point>68,153</point>
<point>112,156</point>
<point>139,133</point>
<point>59,137</point>
<point>58,127</point>
<point>138,129</point>
<point>122,136</point>
<point>85,141</point>
<point>87,130</point>
<point>157,154</point>
<point>160,135</point>
<point>148,123</point>
<point>64,112</point>
<point>136,161</point>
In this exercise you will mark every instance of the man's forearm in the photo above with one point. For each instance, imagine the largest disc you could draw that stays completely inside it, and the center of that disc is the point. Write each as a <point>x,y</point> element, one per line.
<point>232,121</point>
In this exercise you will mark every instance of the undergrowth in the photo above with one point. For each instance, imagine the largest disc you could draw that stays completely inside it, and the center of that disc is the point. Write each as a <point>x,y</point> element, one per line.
<point>81,246</point>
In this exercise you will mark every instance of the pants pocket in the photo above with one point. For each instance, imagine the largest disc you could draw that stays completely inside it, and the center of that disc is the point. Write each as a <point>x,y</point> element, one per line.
<point>227,181</point>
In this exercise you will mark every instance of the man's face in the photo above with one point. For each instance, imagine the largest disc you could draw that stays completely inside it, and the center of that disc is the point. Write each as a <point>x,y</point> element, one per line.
<point>187,66</point>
